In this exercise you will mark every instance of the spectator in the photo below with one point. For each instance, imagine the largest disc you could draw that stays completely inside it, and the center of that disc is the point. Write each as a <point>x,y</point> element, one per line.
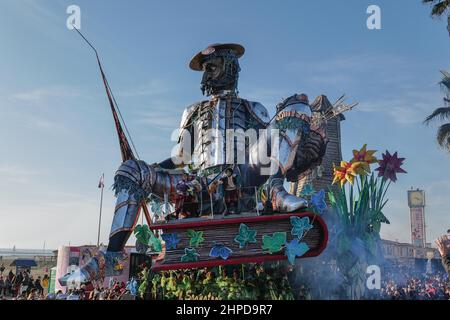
<point>60,295</point>
<point>2,286</point>
<point>8,287</point>
<point>45,282</point>
<point>443,245</point>
<point>38,286</point>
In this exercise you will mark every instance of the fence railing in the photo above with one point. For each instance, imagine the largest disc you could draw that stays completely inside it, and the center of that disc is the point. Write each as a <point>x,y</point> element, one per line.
<point>204,204</point>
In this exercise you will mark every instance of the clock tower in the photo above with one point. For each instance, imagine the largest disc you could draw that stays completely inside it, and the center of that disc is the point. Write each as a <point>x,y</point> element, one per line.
<point>416,203</point>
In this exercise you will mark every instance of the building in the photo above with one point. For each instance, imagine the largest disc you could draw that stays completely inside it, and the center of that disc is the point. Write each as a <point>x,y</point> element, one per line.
<point>44,260</point>
<point>410,256</point>
<point>416,204</point>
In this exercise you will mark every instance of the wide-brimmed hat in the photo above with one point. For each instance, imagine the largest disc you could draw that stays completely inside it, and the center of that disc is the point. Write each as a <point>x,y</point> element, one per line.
<point>196,61</point>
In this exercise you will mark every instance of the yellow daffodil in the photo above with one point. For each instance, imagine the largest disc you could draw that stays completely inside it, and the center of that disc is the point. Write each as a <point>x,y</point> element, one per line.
<point>365,158</point>
<point>347,171</point>
<point>359,168</point>
<point>338,175</point>
<point>343,173</point>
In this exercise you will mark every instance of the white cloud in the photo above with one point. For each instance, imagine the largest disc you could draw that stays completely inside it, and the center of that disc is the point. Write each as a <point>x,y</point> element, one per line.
<point>42,96</point>
<point>409,107</point>
<point>152,88</point>
<point>16,174</point>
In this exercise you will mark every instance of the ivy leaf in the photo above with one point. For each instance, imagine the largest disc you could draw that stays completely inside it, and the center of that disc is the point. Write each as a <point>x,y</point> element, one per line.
<point>318,201</point>
<point>155,243</point>
<point>300,226</point>
<point>171,240</point>
<point>190,255</point>
<point>294,249</point>
<point>142,233</point>
<point>245,235</point>
<point>220,250</point>
<point>307,190</point>
<point>275,242</point>
<point>146,237</point>
<point>195,237</point>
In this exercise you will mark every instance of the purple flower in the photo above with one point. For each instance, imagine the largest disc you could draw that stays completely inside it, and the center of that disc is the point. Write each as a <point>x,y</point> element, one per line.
<point>390,166</point>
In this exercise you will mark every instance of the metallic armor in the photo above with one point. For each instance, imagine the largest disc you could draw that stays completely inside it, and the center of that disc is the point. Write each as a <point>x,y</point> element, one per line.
<point>203,125</point>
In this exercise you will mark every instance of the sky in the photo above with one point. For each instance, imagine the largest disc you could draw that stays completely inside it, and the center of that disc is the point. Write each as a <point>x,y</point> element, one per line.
<point>57,131</point>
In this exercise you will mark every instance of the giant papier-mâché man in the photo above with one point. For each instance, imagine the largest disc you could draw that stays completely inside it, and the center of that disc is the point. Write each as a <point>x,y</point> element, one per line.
<point>225,131</point>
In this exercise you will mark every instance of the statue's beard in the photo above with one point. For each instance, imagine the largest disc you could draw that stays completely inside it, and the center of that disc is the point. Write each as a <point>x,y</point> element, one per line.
<point>210,86</point>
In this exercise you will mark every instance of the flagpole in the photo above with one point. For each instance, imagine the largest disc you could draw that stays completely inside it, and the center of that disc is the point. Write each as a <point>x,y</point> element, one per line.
<point>101,205</point>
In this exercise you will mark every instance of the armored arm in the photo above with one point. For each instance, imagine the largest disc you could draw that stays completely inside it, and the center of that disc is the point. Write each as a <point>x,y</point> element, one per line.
<point>309,155</point>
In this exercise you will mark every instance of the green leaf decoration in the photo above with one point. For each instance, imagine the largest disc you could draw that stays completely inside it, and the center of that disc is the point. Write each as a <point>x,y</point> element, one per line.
<point>195,237</point>
<point>145,236</point>
<point>142,233</point>
<point>245,235</point>
<point>155,243</point>
<point>190,255</point>
<point>275,242</point>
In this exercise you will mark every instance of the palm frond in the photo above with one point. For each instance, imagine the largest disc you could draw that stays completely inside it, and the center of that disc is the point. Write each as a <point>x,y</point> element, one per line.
<point>439,6</point>
<point>445,82</point>
<point>443,136</point>
<point>440,114</point>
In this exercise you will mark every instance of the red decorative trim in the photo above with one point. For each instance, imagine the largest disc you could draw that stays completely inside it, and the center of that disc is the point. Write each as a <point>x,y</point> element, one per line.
<point>253,259</point>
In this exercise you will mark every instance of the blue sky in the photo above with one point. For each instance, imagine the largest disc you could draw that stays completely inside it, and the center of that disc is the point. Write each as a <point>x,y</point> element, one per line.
<point>57,131</point>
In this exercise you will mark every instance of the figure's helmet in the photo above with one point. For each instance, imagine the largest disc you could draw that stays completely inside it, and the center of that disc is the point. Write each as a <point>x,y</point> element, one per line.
<point>220,66</point>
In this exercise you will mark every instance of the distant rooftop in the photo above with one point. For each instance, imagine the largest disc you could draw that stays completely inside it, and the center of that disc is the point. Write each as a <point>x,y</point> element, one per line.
<point>27,253</point>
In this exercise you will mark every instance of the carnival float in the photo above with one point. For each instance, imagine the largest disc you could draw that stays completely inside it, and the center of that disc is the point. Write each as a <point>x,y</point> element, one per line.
<point>221,199</point>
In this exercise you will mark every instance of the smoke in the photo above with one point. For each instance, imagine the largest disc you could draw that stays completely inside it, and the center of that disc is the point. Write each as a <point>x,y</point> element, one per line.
<point>345,275</point>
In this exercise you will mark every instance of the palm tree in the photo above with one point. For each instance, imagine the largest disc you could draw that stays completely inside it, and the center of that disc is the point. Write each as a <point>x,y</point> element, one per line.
<point>443,113</point>
<point>439,7</point>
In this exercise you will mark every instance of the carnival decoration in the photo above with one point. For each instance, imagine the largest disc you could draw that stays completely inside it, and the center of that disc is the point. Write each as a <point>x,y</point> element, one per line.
<point>302,146</point>
<point>295,249</point>
<point>195,237</point>
<point>190,255</point>
<point>274,243</point>
<point>358,206</point>
<point>245,235</point>
<point>219,250</point>
<point>171,240</point>
<point>146,238</point>
<point>300,226</point>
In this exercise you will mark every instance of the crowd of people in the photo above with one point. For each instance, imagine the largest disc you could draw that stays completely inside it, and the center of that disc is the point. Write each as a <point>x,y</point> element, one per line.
<point>252,282</point>
<point>270,281</point>
<point>115,291</point>
<point>22,285</point>
<point>417,287</point>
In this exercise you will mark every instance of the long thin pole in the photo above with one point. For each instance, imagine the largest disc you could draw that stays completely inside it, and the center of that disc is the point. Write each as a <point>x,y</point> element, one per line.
<point>101,205</point>
<point>125,148</point>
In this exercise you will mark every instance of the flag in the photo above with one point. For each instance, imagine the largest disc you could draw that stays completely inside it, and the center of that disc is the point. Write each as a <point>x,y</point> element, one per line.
<point>101,183</point>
